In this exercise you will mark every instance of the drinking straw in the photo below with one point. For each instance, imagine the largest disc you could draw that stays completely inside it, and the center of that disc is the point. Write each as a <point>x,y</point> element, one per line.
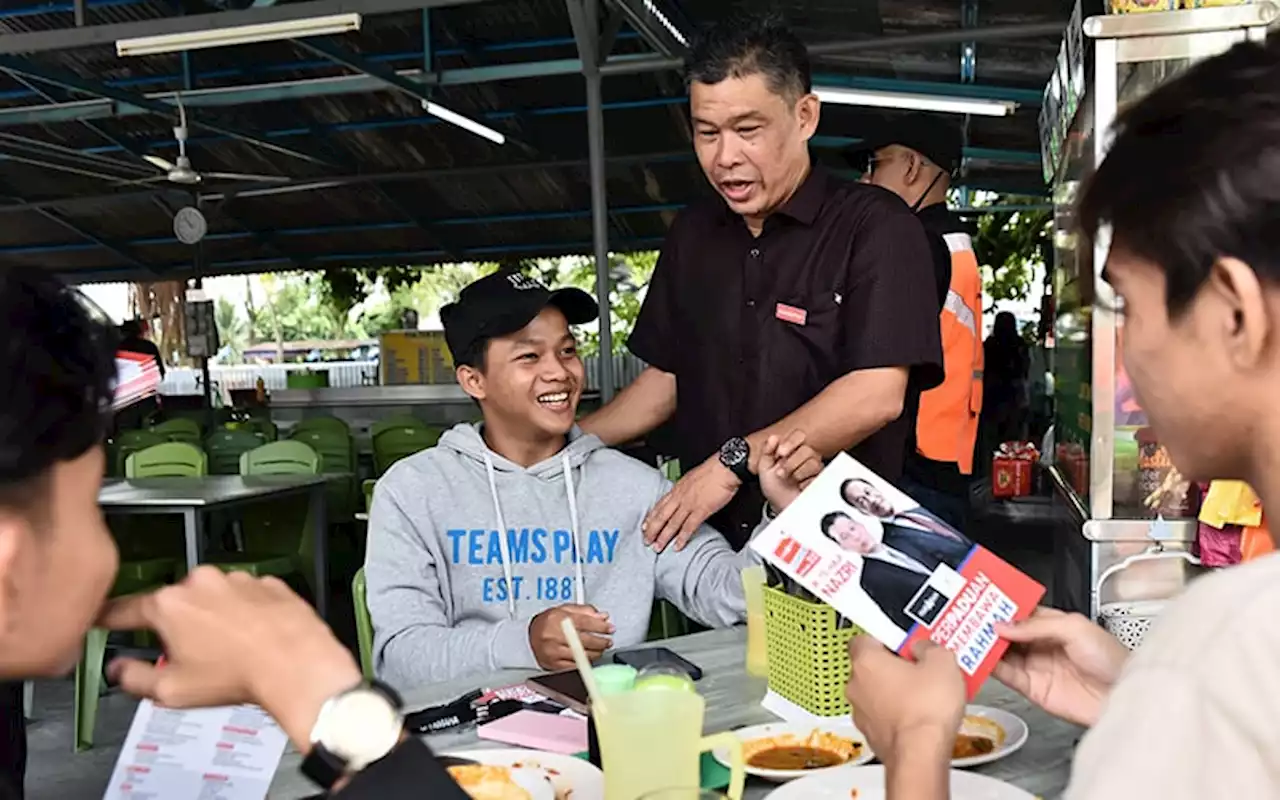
<point>582,662</point>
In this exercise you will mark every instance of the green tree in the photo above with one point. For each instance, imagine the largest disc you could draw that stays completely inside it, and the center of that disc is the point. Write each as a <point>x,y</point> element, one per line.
<point>1009,247</point>
<point>233,329</point>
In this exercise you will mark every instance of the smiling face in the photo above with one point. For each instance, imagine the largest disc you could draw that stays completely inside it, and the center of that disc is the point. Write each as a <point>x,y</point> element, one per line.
<point>531,382</point>
<point>752,142</point>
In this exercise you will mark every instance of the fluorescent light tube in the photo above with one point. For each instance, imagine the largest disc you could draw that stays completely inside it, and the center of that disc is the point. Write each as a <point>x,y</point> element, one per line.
<point>243,34</point>
<point>914,101</point>
<point>466,123</point>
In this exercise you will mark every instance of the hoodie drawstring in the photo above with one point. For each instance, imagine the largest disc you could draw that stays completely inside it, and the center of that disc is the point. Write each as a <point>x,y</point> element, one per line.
<point>580,592</point>
<point>580,589</point>
<point>503,544</point>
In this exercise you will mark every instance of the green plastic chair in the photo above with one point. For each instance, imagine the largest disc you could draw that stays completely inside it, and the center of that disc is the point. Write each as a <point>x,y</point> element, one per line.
<point>367,486</point>
<point>364,623</point>
<point>225,447</point>
<point>394,443</point>
<point>322,423</point>
<point>88,680</point>
<point>395,421</point>
<point>179,429</point>
<point>169,460</point>
<point>337,451</point>
<point>280,458</point>
<point>278,536</point>
<point>666,621</point>
<point>263,427</point>
<point>126,444</point>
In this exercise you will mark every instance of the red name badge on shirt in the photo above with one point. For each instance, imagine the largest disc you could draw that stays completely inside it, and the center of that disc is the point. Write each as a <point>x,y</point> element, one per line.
<point>786,313</point>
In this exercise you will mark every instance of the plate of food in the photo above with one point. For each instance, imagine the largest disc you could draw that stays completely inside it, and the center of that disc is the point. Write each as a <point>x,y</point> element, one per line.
<point>867,783</point>
<point>986,735</point>
<point>784,751</point>
<point>512,774</point>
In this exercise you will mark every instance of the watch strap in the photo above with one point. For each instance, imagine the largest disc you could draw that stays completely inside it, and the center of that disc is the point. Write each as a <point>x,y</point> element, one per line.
<point>324,767</point>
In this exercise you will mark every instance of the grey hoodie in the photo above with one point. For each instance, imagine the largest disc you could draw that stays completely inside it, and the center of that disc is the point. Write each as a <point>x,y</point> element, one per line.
<point>438,572</point>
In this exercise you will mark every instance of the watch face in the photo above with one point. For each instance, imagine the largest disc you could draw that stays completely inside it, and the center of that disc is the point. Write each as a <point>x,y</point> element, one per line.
<point>734,451</point>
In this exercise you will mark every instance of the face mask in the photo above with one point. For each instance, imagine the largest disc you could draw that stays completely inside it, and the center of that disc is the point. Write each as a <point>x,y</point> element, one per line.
<point>916,206</point>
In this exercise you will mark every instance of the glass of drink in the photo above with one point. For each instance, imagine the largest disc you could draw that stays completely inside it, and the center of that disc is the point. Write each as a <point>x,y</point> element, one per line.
<point>652,740</point>
<point>757,648</point>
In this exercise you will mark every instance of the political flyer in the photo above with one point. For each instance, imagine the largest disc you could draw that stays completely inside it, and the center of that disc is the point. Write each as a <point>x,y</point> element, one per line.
<point>895,569</point>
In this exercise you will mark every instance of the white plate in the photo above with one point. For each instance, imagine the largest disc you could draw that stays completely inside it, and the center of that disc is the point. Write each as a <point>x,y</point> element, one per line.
<point>839,783</point>
<point>569,776</point>
<point>1015,734</point>
<point>838,727</point>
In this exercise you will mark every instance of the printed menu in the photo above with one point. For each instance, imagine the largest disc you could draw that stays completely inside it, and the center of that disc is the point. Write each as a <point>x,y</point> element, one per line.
<point>895,569</point>
<point>222,753</point>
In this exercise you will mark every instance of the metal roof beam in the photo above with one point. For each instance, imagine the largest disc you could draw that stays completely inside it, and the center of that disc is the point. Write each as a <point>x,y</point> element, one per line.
<point>380,72</point>
<point>261,189</point>
<point>361,84</point>
<point>73,82</point>
<point>91,35</point>
<point>117,250</point>
<point>655,25</point>
<point>456,251</point>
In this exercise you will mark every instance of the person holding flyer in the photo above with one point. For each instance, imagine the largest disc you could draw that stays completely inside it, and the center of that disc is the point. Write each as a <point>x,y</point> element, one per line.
<point>1189,193</point>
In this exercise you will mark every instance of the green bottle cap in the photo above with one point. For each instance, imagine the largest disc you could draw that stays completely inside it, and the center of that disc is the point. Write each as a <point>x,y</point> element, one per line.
<point>614,678</point>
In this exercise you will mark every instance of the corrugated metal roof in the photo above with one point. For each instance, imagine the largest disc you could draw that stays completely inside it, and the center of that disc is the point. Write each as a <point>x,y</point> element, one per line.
<point>384,131</point>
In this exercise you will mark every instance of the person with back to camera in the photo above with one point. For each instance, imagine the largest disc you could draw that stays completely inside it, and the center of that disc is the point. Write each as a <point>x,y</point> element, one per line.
<point>1190,191</point>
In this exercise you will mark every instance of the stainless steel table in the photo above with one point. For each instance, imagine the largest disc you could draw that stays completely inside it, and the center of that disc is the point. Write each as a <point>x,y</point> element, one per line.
<point>194,498</point>
<point>733,700</point>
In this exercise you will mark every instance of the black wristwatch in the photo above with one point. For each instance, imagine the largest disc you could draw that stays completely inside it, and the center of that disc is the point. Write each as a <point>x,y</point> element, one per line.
<point>354,729</point>
<point>735,454</point>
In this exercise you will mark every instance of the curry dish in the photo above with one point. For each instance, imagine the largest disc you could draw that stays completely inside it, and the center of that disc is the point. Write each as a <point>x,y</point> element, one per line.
<point>969,746</point>
<point>791,753</point>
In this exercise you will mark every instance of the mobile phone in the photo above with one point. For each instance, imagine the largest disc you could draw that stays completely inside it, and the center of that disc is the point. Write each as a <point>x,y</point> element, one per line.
<point>564,687</point>
<point>651,656</point>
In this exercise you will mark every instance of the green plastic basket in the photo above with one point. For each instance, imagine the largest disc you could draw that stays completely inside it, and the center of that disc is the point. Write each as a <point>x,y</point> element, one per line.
<point>808,653</point>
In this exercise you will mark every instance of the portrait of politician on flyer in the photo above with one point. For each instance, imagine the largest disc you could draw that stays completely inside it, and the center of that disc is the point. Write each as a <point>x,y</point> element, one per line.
<point>901,544</point>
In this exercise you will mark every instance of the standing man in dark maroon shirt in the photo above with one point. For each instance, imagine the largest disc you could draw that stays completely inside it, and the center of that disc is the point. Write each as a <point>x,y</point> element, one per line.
<point>794,300</point>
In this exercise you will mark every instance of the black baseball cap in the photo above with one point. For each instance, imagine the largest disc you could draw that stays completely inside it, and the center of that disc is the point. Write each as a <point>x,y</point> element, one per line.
<point>503,303</point>
<point>936,139</point>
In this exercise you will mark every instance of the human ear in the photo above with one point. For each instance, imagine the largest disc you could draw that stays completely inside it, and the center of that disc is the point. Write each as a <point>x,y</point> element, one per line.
<point>472,381</point>
<point>1243,317</point>
<point>808,113</point>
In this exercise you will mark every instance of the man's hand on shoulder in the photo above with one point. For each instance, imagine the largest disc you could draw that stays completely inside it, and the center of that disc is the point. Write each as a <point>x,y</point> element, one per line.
<point>546,637</point>
<point>786,466</point>
<point>698,494</point>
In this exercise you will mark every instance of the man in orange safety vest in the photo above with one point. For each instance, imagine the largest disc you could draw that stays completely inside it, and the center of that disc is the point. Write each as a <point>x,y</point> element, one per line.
<point>915,156</point>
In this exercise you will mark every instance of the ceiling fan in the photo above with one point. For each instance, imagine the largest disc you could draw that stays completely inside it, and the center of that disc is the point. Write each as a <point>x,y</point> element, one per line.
<point>181,172</point>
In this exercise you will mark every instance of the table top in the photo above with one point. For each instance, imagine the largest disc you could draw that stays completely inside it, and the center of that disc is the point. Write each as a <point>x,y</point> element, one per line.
<point>1041,767</point>
<point>210,490</point>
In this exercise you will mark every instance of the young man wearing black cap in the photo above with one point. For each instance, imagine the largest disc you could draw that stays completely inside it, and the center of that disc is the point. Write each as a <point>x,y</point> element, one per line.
<point>914,156</point>
<point>480,547</point>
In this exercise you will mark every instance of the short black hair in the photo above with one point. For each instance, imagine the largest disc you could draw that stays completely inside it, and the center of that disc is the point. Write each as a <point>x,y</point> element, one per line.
<point>57,357</point>
<point>829,520</point>
<point>131,329</point>
<point>475,356</point>
<point>752,44</point>
<point>1193,174</point>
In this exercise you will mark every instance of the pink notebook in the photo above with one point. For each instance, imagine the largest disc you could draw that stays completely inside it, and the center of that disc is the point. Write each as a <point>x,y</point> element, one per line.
<point>537,730</point>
